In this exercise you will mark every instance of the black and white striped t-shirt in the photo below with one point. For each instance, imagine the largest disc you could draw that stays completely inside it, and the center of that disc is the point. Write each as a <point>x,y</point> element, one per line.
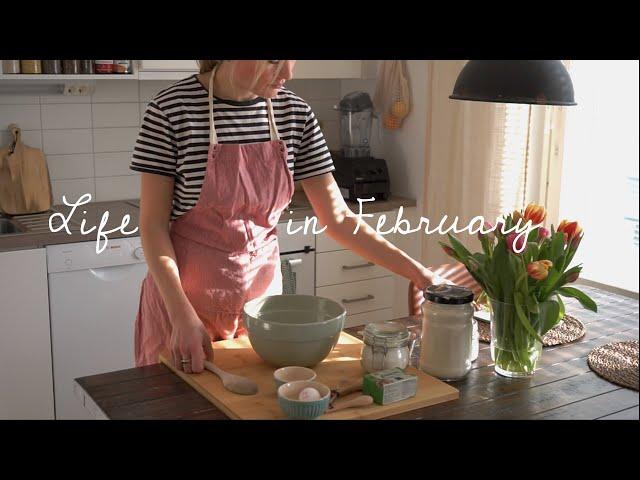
<point>174,136</point>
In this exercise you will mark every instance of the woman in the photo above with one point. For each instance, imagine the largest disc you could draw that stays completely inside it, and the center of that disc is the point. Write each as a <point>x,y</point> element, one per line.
<point>219,153</point>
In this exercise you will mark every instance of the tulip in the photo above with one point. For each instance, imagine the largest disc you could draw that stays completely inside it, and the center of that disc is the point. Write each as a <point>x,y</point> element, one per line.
<point>490,235</point>
<point>542,233</point>
<point>449,251</point>
<point>515,241</point>
<point>516,216</point>
<point>573,277</point>
<point>571,230</point>
<point>539,270</point>
<point>535,213</point>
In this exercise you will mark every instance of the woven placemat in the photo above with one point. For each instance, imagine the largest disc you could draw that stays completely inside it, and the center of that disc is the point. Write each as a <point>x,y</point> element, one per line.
<point>570,330</point>
<point>616,362</point>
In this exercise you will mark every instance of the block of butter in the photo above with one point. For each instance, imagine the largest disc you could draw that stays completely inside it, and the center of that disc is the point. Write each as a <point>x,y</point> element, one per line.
<point>389,386</point>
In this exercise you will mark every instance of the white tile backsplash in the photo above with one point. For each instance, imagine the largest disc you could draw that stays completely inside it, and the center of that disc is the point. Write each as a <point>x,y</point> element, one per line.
<point>7,99</point>
<point>88,140</point>
<point>54,99</point>
<point>114,139</point>
<point>59,142</point>
<point>67,167</point>
<point>113,164</point>
<point>110,91</point>
<point>116,115</point>
<point>117,188</point>
<point>27,117</point>
<point>65,116</point>
<point>31,138</point>
<point>72,190</point>
<point>149,88</point>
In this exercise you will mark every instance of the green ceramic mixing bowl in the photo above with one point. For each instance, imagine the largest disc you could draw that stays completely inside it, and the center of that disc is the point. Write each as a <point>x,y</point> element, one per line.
<point>287,330</point>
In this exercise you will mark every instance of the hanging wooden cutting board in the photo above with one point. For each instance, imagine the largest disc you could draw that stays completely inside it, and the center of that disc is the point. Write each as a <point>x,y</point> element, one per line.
<point>25,185</point>
<point>342,366</point>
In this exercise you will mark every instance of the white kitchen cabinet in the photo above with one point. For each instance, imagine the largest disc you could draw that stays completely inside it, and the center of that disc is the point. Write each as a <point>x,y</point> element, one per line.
<point>304,69</point>
<point>26,374</point>
<point>366,290</point>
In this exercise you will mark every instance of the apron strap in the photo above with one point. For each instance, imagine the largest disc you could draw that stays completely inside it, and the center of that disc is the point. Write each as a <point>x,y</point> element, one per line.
<point>213,137</point>
<point>273,130</point>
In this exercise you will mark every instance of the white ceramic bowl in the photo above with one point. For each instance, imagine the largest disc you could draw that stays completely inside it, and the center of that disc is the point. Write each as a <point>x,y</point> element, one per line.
<point>293,374</point>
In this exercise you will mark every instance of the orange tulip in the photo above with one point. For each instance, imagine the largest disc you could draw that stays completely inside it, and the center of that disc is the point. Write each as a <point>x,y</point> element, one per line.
<point>535,213</point>
<point>571,230</point>
<point>539,270</point>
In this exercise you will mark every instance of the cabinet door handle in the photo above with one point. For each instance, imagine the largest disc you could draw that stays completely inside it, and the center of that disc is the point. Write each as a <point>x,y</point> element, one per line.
<point>295,261</point>
<point>360,299</point>
<point>351,267</point>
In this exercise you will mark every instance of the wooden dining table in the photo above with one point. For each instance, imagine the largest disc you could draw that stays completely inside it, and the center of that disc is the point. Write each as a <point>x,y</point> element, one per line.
<point>562,387</point>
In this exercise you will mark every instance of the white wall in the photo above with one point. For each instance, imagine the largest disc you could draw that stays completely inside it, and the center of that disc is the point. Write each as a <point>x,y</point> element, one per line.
<point>88,141</point>
<point>404,152</point>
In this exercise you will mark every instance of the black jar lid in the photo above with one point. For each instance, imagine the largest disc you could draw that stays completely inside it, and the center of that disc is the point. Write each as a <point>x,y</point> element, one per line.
<point>448,294</point>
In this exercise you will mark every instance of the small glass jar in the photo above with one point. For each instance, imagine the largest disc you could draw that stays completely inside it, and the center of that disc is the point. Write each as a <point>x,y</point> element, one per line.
<point>31,66</point>
<point>86,67</point>
<point>11,66</point>
<point>386,345</point>
<point>71,67</point>
<point>52,67</point>
<point>122,66</point>
<point>446,346</point>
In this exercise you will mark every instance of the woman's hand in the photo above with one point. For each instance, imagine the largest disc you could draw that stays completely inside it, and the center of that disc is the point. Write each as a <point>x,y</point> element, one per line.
<point>190,341</point>
<point>426,278</point>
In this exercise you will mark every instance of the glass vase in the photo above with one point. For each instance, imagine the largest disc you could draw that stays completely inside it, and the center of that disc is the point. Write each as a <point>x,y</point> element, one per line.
<point>514,350</point>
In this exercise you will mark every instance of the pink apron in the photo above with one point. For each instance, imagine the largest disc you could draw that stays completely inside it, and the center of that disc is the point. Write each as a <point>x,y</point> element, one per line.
<point>226,246</point>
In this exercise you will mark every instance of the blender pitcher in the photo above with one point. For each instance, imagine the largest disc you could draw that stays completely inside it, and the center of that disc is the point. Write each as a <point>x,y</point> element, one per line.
<point>356,113</point>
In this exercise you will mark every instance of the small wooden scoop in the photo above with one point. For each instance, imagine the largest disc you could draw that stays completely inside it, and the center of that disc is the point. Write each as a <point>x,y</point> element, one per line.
<point>359,401</point>
<point>233,383</point>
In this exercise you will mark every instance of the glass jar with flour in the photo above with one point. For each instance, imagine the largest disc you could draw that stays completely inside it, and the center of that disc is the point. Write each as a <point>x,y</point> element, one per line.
<point>386,345</point>
<point>446,349</point>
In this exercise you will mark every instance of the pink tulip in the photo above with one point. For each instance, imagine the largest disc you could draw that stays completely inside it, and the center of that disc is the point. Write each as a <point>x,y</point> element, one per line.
<point>449,251</point>
<point>543,233</point>
<point>573,277</point>
<point>515,241</point>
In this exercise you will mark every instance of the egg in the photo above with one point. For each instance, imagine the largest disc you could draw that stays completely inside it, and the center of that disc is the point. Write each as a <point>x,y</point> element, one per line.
<point>309,394</point>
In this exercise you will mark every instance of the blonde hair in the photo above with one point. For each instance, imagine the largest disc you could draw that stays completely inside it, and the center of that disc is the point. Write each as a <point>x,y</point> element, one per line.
<point>209,65</point>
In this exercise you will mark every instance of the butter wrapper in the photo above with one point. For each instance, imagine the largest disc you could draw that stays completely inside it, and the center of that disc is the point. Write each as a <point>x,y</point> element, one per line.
<point>389,386</point>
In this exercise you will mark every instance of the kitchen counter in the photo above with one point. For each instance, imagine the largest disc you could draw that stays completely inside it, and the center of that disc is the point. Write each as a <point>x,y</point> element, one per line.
<point>563,386</point>
<point>92,213</point>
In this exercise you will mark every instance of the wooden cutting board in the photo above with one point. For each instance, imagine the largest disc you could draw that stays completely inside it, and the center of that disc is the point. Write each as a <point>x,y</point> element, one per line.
<point>342,365</point>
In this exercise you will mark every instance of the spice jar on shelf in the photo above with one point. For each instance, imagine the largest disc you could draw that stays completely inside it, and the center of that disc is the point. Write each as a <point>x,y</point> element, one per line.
<point>86,67</point>
<point>446,346</point>
<point>31,66</point>
<point>11,66</point>
<point>122,66</point>
<point>386,345</point>
<point>71,67</point>
<point>52,67</point>
<point>103,66</point>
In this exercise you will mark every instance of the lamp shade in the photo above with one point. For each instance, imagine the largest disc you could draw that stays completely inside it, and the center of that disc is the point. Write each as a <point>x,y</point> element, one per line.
<point>539,82</point>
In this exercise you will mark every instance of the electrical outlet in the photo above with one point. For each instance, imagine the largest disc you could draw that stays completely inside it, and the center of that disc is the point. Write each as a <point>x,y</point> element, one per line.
<point>83,90</point>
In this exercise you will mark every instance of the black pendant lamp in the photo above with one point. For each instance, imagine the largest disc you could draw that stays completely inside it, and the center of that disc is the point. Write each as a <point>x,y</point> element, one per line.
<point>537,82</point>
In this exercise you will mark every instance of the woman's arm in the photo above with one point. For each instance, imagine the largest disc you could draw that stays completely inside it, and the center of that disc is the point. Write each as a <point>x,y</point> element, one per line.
<point>189,337</point>
<point>332,211</point>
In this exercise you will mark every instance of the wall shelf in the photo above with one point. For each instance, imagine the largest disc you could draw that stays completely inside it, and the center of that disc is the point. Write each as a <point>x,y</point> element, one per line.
<point>19,77</point>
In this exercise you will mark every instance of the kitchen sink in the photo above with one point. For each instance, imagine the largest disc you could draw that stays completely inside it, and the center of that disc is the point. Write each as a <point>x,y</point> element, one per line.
<point>7,226</point>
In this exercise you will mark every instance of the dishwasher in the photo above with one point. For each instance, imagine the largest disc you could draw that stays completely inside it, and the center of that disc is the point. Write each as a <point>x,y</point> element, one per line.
<point>93,302</point>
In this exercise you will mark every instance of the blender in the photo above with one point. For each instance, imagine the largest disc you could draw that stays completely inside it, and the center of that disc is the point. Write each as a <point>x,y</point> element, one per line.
<point>358,173</point>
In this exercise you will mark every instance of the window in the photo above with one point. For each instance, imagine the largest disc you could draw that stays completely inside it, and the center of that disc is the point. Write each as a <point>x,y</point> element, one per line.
<point>599,181</point>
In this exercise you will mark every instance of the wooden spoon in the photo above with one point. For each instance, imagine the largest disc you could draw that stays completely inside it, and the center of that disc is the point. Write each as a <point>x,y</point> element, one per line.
<point>359,401</point>
<point>233,383</point>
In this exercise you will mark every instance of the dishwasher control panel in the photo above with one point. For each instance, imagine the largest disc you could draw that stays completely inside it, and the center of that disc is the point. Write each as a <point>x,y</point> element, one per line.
<point>82,255</point>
